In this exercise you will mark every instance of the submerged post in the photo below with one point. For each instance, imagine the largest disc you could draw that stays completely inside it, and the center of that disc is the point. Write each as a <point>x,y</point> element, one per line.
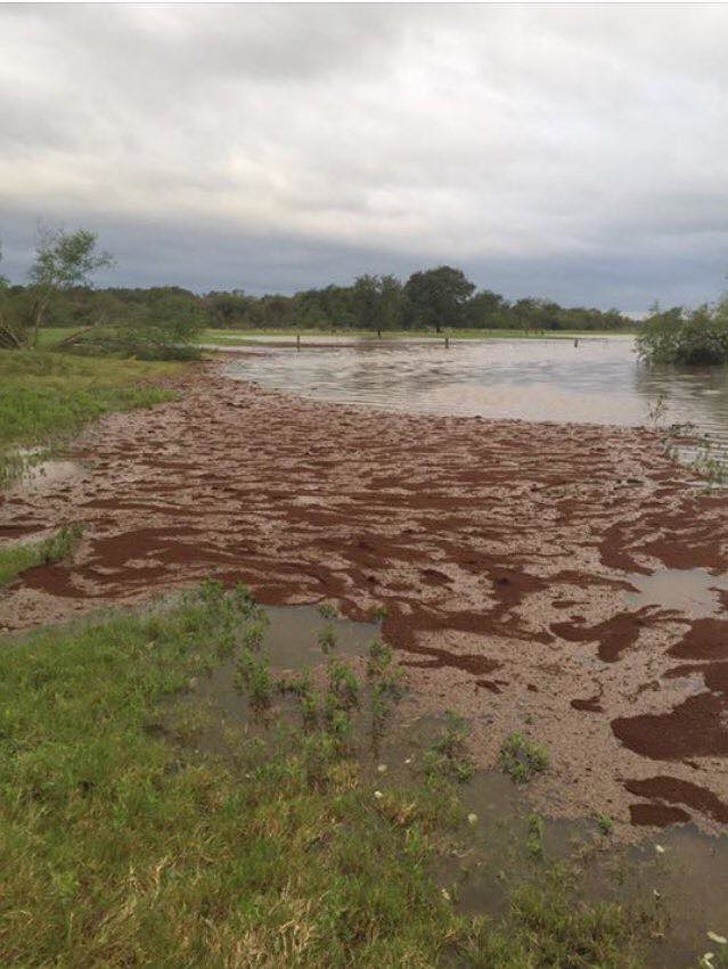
<point>447,342</point>
<point>298,342</point>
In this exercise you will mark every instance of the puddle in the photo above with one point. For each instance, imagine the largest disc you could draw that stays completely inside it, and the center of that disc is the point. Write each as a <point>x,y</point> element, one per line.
<point>39,474</point>
<point>290,642</point>
<point>686,881</point>
<point>291,639</point>
<point>694,592</point>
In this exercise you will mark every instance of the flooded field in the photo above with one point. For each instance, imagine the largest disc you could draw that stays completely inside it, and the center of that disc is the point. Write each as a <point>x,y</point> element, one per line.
<point>679,876</point>
<point>598,381</point>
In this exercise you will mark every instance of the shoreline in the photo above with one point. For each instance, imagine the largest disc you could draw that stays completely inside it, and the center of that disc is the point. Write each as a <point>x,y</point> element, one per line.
<point>505,553</point>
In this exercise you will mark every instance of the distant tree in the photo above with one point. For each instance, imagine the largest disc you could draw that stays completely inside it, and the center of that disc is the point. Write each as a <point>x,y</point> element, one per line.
<point>391,302</point>
<point>13,314</point>
<point>64,260</point>
<point>365,296</point>
<point>227,309</point>
<point>487,310</point>
<point>437,297</point>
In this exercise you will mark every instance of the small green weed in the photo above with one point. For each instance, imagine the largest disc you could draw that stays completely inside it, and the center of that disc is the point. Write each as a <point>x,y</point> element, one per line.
<point>255,677</point>
<point>605,824</point>
<point>534,839</point>
<point>448,756</point>
<point>521,758</point>
<point>328,639</point>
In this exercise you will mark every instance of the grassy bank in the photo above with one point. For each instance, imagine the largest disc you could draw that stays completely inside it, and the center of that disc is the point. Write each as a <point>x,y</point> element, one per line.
<point>19,556</point>
<point>46,397</point>
<point>231,337</point>
<point>122,843</point>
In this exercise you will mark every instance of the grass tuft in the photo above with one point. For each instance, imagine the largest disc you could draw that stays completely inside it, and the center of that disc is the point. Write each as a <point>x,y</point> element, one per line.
<point>521,758</point>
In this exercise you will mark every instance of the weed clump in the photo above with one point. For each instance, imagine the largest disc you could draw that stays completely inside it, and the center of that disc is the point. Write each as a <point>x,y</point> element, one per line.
<point>521,758</point>
<point>448,756</point>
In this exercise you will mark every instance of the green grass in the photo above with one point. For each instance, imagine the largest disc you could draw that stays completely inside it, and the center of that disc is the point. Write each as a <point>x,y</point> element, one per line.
<point>20,556</point>
<point>232,337</point>
<point>521,758</point>
<point>46,397</point>
<point>49,336</point>
<point>121,844</point>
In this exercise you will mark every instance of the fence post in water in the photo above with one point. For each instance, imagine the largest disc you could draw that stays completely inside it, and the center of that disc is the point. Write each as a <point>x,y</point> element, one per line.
<point>298,342</point>
<point>576,342</point>
<point>447,342</point>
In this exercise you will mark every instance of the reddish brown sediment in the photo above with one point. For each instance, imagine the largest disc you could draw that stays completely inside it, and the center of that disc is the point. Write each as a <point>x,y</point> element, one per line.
<point>706,639</point>
<point>592,704</point>
<point>612,636</point>
<point>694,728</point>
<point>680,792</point>
<point>657,815</point>
<point>492,545</point>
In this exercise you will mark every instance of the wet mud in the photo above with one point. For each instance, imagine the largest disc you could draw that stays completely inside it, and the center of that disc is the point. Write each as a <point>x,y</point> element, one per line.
<point>503,557</point>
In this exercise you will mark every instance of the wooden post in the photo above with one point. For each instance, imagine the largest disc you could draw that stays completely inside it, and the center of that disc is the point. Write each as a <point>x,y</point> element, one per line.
<point>298,342</point>
<point>447,342</point>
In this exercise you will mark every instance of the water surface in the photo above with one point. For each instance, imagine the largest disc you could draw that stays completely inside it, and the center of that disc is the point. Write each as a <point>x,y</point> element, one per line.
<point>598,380</point>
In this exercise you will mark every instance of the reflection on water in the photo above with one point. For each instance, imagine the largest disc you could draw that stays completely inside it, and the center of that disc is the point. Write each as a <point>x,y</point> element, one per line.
<point>599,381</point>
<point>695,592</point>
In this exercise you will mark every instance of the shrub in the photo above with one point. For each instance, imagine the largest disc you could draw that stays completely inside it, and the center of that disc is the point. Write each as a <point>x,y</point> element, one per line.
<point>693,338</point>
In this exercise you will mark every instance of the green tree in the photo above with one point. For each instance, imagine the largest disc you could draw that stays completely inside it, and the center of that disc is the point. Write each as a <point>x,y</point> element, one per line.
<point>63,261</point>
<point>365,296</point>
<point>694,338</point>
<point>437,297</point>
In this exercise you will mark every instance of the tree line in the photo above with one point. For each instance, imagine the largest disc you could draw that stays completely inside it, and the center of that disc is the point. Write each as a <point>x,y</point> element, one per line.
<point>59,292</point>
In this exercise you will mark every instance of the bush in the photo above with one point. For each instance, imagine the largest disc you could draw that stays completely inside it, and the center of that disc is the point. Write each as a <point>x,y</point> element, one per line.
<point>695,338</point>
<point>165,328</point>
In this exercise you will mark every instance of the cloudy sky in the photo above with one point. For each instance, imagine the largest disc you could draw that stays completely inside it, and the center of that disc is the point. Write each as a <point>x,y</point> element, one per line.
<point>576,152</point>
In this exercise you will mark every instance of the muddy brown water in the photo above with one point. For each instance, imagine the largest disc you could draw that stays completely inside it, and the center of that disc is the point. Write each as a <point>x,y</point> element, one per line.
<point>598,381</point>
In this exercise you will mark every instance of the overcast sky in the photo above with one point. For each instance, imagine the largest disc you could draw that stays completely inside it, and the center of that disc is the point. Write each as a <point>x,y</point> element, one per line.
<point>576,152</point>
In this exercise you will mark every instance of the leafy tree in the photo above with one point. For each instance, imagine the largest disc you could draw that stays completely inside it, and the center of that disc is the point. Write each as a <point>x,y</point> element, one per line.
<point>487,309</point>
<point>437,297</point>
<point>13,333</point>
<point>695,338</point>
<point>64,260</point>
<point>365,293</point>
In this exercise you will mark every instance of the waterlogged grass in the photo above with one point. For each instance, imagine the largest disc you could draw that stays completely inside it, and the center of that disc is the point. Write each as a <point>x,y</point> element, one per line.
<point>46,397</point>
<point>521,758</point>
<point>121,845</point>
<point>20,556</point>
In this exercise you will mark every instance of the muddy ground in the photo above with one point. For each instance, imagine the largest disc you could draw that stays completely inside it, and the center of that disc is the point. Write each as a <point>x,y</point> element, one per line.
<point>507,556</point>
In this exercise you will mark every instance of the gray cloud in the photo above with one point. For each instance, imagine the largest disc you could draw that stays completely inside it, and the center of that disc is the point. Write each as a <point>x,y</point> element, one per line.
<point>570,151</point>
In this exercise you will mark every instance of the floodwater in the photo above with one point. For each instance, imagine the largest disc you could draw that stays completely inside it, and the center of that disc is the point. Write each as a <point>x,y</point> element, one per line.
<point>598,381</point>
<point>694,592</point>
<point>679,876</point>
